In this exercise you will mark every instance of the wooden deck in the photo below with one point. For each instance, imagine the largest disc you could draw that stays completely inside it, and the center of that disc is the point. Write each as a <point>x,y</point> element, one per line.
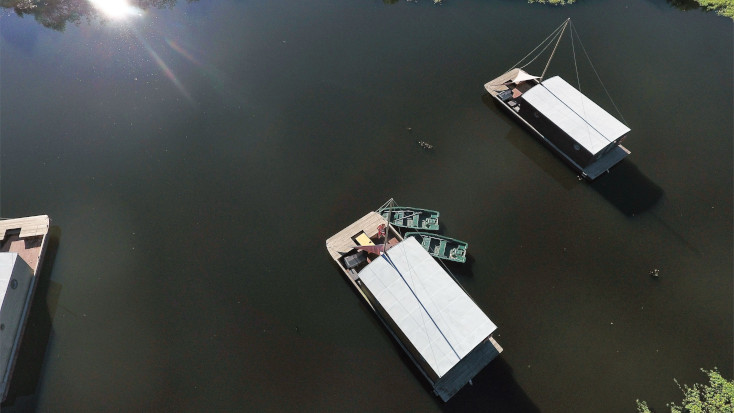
<point>497,85</point>
<point>342,242</point>
<point>28,226</point>
<point>28,243</point>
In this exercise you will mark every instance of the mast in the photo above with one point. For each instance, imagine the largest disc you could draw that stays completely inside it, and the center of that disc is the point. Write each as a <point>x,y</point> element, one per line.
<point>560,36</point>
<point>391,202</point>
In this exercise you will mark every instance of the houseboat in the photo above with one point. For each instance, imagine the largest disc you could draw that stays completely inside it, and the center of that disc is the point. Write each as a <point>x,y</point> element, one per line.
<point>437,324</point>
<point>575,128</point>
<point>22,247</point>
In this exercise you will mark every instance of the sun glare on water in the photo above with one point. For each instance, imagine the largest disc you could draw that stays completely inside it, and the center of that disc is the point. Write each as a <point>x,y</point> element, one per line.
<point>116,9</point>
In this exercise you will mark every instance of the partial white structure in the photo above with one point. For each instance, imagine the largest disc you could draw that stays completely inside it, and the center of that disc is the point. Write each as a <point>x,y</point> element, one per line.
<point>22,246</point>
<point>15,282</point>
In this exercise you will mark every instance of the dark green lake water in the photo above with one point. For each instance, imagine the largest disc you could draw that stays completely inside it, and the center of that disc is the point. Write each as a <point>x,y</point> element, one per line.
<point>195,159</point>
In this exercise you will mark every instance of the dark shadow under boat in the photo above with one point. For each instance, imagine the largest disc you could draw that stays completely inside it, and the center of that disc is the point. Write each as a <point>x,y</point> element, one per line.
<point>628,189</point>
<point>625,186</point>
<point>534,150</point>
<point>493,389</point>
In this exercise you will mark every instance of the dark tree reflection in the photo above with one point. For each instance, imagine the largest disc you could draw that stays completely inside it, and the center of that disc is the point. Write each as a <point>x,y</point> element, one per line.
<point>55,14</point>
<point>684,4</point>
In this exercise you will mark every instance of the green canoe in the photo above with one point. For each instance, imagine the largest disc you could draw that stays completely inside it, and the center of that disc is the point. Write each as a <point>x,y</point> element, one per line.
<point>441,247</point>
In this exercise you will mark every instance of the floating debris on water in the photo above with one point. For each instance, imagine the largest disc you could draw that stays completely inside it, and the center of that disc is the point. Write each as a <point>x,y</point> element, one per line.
<point>425,145</point>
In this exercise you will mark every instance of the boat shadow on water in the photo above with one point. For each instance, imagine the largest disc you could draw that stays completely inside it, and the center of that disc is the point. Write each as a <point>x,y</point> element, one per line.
<point>494,385</point>
<point>29,366</point>
<point>628,189</point>
<point>624,186</point>
<point>534,150</point>
<point>493,389</point>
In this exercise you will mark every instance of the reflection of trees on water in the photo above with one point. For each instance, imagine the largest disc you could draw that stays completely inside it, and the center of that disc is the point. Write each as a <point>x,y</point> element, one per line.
<point>722,7</point>
<point>55,14</point>
<point>684,4</point>
<point>409,1</point>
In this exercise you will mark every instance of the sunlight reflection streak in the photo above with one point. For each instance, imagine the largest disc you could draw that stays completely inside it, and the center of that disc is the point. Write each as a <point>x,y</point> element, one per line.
<point>183,52</point>
<point>221,83</point>
<point>164,67</point>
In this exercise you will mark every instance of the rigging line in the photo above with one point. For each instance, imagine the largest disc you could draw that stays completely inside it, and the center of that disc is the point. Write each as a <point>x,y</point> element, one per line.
<point>411,271</point>
<point>387,226</point>
<point>410,267</point>
<point>554,48</point>
<point>389,260</point>
<point>457,282</point>
<point>462,287</point>
<point>400,342</point>
<point>597,75</point>
<point>541,52</point>
<point>390,201</point>
<point>440,314</point>
<point>550,36</point>
<point>575,65</point>
<point>576,113</point>
<point>450,273</point>
<point>578,79</point>
<point>389,206</point>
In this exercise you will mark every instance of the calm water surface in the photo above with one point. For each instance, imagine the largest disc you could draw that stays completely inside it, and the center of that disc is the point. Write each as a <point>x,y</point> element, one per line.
<point>194,160</point>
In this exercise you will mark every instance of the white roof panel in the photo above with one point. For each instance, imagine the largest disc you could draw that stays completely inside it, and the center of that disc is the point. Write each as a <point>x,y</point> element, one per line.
<point>435,314</point>
<point>582,119</point>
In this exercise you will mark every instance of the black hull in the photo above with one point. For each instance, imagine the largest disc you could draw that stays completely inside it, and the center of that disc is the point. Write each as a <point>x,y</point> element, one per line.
<point>590,172</point>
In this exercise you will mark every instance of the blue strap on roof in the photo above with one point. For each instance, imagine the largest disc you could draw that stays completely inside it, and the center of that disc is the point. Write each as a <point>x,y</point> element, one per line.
<point>389,260</point>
